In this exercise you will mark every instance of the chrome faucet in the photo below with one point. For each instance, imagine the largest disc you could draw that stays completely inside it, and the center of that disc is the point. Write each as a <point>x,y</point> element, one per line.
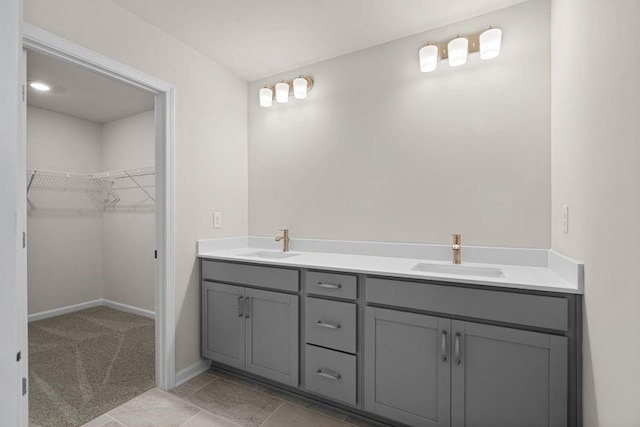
<point>285,240</point>
<point>456,246</point>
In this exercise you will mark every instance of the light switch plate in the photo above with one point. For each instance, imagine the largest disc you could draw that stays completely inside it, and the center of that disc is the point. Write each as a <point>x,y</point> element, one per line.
<point>217,219</point>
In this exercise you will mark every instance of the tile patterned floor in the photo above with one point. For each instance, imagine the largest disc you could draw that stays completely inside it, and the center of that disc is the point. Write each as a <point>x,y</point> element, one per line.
<point>220,399</point>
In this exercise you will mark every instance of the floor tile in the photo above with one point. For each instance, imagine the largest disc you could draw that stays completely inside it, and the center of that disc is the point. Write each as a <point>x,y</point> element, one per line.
<point>193,385</point>
<point>254,385</point>
<point>154,408</point>
<point>289,415</point>
<point>306,403</point>
<point>103,421</point>
<point>205,419</point>
<point>235,402</point>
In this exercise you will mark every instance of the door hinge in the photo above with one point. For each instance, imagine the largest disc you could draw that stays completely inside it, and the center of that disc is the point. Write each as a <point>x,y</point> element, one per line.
<point>24,239</point>
<point>24,386</point>
<point>24,93</point>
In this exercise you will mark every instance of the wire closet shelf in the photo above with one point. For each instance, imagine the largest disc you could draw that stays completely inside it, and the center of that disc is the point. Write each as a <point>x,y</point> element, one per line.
<point>124,189</point>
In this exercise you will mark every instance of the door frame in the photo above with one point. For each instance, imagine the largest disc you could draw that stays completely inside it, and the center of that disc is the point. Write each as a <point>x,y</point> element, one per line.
<point>39,40</point>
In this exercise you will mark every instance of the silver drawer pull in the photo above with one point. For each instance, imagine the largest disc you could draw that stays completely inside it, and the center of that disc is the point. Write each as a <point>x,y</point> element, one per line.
<point>240,306</point>
<point>247,307</point>
<point>329,285</point>
<point>443,350</point>
<point>334,377</point>
<point>328,325</point>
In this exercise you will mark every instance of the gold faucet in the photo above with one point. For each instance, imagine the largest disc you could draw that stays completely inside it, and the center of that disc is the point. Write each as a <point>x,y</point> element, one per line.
<point>285,240</point>
<point>456,246</point>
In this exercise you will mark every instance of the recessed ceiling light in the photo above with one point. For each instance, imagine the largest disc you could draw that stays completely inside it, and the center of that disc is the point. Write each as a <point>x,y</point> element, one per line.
<point>43,87</point>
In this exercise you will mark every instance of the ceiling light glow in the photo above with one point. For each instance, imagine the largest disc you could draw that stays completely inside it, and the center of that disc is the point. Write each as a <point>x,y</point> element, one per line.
<point>42,87</point>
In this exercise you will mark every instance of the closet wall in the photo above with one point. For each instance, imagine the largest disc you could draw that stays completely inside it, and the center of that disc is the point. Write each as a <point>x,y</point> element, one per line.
<point>81,256</point>
<point>65,247</point>
<point>129,237</point>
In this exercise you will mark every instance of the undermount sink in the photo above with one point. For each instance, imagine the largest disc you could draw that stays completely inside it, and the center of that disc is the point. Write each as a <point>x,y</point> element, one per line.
<point>464,270</point>
<point>270,254</point>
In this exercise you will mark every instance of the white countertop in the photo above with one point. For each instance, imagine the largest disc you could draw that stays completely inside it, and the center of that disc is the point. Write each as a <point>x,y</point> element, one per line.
<point>539,278</point>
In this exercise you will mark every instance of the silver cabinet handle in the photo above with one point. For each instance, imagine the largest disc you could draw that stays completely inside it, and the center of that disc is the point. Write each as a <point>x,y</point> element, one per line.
<point>334,377</point>
<point>458,360</point>
<point>240,306</point>
<point>247,307</point>
<point>328,325</point>
<point>329,285</point>
<point>443,350</point>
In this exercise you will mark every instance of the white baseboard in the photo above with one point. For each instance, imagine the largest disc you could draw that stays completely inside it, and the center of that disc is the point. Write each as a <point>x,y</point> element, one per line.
<point>128,308</point>
<point>192,371</point>
<point>64,310</point>
<point>89,304</point>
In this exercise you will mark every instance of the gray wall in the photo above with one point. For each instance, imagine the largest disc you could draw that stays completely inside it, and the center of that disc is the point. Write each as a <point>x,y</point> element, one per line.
<point>65,246</point>
<point>129,236</point>
<point>596,158</point>
<point>380,151</point>
<point>210,133</point>
<point>79,256</point>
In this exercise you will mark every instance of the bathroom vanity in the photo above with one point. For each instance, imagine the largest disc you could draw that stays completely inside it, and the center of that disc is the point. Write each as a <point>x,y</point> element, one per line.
<point>403,349</point>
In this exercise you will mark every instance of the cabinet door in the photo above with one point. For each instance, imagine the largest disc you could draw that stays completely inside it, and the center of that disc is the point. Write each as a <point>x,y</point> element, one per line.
<point>223,324</point>
<point>272,335</point>
<point>407,367</point>
<point>507,377</point>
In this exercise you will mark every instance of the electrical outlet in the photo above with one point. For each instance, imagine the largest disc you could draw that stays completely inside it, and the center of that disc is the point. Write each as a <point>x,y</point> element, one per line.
<point>217,219</point>
<point>565,218</point>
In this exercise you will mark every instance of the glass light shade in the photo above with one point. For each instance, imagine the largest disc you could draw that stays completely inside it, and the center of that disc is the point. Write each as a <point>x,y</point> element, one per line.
<point>428,58</point>
<point>282,92</point>
<point>266,97</point>
<point>300,85</point>
<point>458,50</point>
<point>490,42</point>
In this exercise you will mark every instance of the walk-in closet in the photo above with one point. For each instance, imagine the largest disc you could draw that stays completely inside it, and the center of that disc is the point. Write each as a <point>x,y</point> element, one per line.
<point>91,241</point>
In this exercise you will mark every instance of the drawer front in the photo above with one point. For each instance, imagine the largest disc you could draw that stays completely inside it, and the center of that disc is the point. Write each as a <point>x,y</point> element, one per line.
<point>523,309</point>
<point>253,275</point>
<point>331,324</point>
<point>331,374</point>
<point>331,284</point>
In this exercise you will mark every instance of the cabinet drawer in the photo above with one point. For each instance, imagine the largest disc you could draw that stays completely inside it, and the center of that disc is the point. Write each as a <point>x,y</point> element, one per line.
<point>254,275</point>
<point>331,324</point>
<point>331,374</point>
<point>331,284</point>
<point>524,309</point>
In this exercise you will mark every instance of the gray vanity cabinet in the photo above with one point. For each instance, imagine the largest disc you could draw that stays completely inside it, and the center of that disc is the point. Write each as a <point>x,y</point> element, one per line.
<point>407,367</point>
<point>251,329</point>
<point>428,371</point>
<point>272,335</point>
<point>223,324</point>
<point>503,377</point>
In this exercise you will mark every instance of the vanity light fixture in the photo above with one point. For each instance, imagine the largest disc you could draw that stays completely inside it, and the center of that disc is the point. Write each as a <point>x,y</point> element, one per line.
<point>490,43</point>
<point>428,58</point>
<point>281,91</point>
<point>266,96</point>
<point>300,87</point>
<point>456,51</point>
<point>40,86</point>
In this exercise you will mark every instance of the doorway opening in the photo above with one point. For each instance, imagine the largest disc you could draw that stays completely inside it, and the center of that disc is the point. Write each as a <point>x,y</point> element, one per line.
<point>98,270</point>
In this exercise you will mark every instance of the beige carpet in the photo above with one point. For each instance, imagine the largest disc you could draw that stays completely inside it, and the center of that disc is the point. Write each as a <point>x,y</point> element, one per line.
<point>86,363</point>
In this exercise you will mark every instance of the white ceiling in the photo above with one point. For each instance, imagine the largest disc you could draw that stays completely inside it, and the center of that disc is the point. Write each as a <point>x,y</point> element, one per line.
<point>81,93</point>
<point>259,38</point>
